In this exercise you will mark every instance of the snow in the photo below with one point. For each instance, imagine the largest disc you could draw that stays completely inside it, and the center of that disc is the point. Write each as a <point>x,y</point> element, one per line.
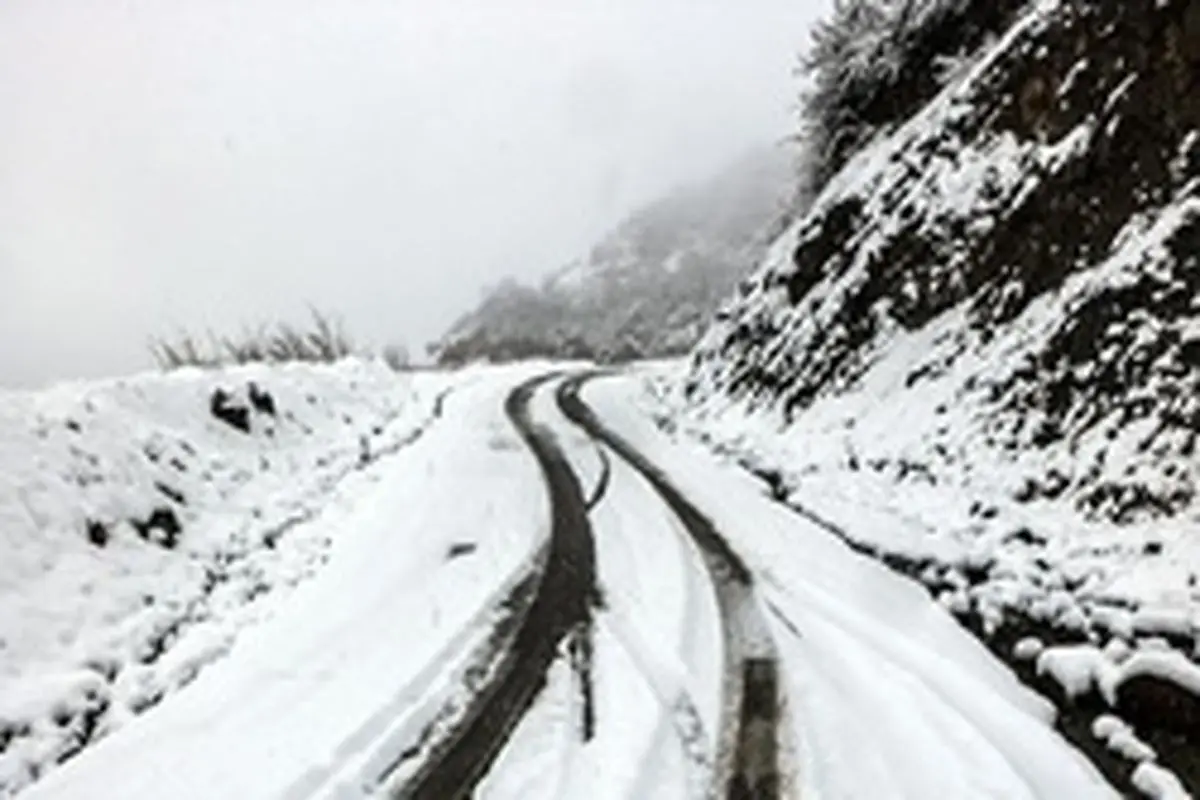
<point>1117,650</point>
<point>1157,783</point>
<point>657,664</point>
<point>910,464</point>
<point>907,434</point>
<point>371,654</point>
<point>1028,649</point>
<point>357,660</point>
<point>1166,665</point>
<point>1178,620</point>
<point>1078,669</point>
<point>880,681</point>
<point>1120,738</point>
<point>95,628</point>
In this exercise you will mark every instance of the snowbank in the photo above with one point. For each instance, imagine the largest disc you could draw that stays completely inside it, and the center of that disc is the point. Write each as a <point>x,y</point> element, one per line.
<point>144,520</point>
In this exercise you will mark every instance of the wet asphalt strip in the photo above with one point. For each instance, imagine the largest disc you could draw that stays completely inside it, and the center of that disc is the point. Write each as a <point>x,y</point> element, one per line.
<point>561,608</point>
<point>748,754</point>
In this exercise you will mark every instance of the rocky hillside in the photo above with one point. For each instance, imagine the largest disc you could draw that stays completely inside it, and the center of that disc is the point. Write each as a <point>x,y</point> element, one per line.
<point>648,288</point>
<point>1027,240</point>
<point>977,356</point>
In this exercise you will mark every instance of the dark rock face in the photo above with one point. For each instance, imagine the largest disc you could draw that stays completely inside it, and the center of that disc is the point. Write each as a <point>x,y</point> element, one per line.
<point>1065,167</point>
<point>1148,702</point>
<point>867,104</point>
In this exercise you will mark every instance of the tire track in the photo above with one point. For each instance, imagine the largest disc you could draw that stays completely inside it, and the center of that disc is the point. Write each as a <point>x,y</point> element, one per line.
<point>561,607</point>
<point>748,749</point>
<point>605,478</point>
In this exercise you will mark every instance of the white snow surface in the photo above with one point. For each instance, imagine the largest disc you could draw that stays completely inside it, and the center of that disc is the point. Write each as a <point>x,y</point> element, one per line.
<point>1157,783</point>
<point>92,632</point>
<point>909,464</point>
<point>886,696</point>
<point>1078,669</point>
<point>337,673</point>
<point>1166,665</point>
<point>903,437</point>
<point>1120,738</point>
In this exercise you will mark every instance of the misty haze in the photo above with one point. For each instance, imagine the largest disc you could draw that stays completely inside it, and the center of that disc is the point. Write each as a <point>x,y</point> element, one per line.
<point>529,400</point>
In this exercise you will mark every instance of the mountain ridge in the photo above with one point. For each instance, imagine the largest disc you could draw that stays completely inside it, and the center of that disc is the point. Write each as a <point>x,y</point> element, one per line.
<point>647,288</point>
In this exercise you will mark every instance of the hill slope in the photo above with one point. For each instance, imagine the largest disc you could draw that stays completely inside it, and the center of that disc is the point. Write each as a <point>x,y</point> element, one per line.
<point>648,288</point>
<point>1027,244</point>
<point>979,352</point>
<point>978,355</point>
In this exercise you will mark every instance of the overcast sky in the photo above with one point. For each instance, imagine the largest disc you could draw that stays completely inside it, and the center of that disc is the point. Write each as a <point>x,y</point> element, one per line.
<point>209,163</point>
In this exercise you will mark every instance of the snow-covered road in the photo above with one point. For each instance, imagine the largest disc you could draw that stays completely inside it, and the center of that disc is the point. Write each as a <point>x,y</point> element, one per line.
<point>786,664</point>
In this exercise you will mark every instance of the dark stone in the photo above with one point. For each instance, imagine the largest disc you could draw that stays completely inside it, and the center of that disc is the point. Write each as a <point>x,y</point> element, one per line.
<point>162,527</point>
<point>1026,492</point>
<point>1025,536</point>
<point>171,493</point>
<point>223,407</point>
<point>261,400</point>
<point>97,533</point>
<point>459,549</point>
<point>1146,701</point>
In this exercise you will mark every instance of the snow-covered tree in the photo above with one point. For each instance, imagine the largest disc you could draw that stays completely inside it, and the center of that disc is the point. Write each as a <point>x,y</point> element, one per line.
<point>871,62</point>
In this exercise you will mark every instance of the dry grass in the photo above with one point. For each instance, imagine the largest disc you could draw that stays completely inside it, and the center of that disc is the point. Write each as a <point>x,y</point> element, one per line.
<point>324,340</point>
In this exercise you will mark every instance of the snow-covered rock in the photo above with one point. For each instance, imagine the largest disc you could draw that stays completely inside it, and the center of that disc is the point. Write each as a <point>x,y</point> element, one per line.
<point>1158,783</point>
<point>1121,739</point>
<point>1078,669</point>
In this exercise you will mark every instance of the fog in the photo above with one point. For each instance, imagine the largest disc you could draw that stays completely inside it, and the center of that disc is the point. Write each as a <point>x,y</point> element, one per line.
<point>213,163</point>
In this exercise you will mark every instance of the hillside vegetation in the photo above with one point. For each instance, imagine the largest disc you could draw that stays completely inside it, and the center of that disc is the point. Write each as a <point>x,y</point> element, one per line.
<point>648,288</point>
<point>1036,226</point>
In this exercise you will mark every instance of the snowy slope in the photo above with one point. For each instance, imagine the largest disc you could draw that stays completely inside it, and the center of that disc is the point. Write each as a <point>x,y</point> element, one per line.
<point>986,328</point>
<point>320,698</point>
<point>141,533</point>
<point>648,287</point>
<point>978,357</point>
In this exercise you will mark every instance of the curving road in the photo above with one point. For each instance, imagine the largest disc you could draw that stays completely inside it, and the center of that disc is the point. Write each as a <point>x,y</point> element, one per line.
<point>565,591</point>
<point>475,655</point>
<point>755,753</point>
